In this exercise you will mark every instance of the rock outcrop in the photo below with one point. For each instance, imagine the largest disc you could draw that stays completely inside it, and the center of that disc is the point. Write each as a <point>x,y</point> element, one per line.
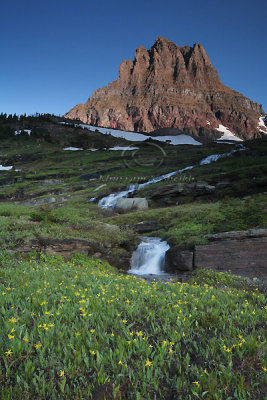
<point>170,194</point>
<point>136,203</point>
<point>170,87</point>
<point>242,252</point>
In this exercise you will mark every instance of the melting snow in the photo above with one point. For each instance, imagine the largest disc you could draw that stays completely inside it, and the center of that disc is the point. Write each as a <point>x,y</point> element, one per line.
<point>2,168</point>
<point>227,134</point>
<point>24,130</point>
<point>139,137</point>
<point>261,126</point>
<point>72,148</point>
<point>111,200</point>
<point>123,148</point>
<point>180,139</point>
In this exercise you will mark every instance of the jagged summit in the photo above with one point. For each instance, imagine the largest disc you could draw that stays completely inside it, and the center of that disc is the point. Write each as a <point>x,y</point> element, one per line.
<point>170,87</point>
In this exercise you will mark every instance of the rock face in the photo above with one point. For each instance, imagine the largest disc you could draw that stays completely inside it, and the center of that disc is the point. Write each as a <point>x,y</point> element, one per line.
<point>170,87</point>
<point>242,252</point>
<point>247,257</point>
<point>169,194</point>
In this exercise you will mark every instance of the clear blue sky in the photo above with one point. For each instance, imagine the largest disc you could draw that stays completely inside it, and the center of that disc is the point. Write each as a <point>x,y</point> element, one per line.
<point>55,53</point>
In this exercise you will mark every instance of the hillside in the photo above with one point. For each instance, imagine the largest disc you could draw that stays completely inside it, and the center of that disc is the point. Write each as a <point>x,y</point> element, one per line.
<point>74,323</point>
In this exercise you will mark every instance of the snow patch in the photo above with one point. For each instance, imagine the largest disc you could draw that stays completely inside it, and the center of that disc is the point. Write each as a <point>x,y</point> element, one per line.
<point>72,148</point>
<point>139,137</point>
<point>24,130</point>
<point>2,168</point>
<point>261,125</point>
<point>176,140</point>
<point>227,134</point>
<point>116,148</point>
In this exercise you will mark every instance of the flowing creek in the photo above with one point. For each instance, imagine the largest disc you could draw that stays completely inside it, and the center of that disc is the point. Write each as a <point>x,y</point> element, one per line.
<point>148,259</point>
<point>111,200</point>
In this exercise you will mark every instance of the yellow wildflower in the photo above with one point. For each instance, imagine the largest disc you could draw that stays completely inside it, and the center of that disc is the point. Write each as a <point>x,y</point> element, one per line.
<point>148,363</point>
<point>13,320</point>
<point>62,372</point>
<point>196,383</point>
<point>8,353</point>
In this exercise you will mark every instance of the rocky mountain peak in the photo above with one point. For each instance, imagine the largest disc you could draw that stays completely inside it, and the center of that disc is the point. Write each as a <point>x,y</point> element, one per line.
<point>170,87</point>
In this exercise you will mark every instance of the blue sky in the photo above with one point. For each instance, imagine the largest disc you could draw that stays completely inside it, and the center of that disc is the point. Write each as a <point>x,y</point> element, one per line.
<point>56,53</point>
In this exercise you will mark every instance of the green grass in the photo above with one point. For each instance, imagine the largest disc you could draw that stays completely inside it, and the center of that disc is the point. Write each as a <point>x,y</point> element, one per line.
<point>71,328</point>
<point>187,225</point>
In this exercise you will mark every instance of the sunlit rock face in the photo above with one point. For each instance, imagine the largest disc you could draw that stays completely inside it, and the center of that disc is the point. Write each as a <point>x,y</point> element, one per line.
<point>170,87</point>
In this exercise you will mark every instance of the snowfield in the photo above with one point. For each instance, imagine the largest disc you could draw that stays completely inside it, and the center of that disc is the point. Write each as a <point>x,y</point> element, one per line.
<point>139,137</point>
<point>261,125</point>
<point>227,134</point>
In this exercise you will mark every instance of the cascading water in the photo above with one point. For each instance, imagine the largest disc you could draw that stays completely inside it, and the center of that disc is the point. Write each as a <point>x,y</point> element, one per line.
<point>111,200</point>
<point>149,257</point>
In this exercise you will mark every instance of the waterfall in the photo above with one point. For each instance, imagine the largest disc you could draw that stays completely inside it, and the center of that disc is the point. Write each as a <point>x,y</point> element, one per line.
<point>149,257</point>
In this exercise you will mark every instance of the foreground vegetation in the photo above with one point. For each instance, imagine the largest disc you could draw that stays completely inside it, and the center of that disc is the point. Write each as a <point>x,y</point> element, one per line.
<point>77,329</point>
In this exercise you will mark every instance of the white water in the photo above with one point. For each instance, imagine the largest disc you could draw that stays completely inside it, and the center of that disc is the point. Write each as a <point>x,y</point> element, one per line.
<point>149,257</point>
<point>111,200</point>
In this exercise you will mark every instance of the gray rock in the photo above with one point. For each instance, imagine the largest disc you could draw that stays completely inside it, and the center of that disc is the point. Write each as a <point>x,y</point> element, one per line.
<point>170,193</point>
<point>238,235</point>
<point>222,184</point>
<point>178,260</point>
<point>246,257</point>
<point>49,182</point>
<point>136,203</point>
<point>144,227</point>
<point>38,202</point>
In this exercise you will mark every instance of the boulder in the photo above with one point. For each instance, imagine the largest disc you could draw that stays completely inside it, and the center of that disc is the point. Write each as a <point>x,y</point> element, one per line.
<point>136,203</point>
<point>143,227</point>
<point>178,260</point>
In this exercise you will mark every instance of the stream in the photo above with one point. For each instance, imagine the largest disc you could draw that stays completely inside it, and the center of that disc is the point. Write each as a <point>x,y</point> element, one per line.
<point>110,201</point>
<point>148,260</point>
<point>149,257</point>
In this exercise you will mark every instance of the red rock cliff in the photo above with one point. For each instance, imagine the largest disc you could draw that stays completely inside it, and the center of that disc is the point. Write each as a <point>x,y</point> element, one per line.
<point>170,87</point>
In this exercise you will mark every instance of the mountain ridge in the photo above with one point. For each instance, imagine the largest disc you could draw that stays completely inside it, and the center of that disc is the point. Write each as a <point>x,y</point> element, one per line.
<point>170,87</point>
